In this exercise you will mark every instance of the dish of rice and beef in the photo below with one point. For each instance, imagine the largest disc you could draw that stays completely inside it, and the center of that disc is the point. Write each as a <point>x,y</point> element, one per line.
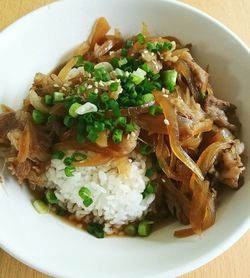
<point>125,133</point>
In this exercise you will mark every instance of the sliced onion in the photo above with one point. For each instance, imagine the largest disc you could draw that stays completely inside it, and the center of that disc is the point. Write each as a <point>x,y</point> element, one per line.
<point>173,131</point>
<point>99,32</point>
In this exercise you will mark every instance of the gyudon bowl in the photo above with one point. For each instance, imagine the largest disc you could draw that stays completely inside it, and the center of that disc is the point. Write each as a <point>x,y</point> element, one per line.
<point>46,38</point>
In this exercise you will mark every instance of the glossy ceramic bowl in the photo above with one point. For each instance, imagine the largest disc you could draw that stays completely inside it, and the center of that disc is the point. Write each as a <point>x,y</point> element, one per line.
<point>44,39</point>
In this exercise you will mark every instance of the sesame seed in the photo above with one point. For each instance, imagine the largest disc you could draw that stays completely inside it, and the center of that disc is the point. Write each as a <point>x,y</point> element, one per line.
<point>96,91</point>
<point>56,85</point>
<point>90,86</point>
<point>166,122</point>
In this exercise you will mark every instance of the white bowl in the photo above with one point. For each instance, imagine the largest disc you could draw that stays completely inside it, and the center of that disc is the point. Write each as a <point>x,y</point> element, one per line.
<point>45,38</point>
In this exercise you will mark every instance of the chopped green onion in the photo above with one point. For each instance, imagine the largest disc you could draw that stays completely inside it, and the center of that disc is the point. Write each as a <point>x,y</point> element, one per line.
<point>150,189</point>
<point>48,100</point>
<point>99,126</point>
<point>61,211</point>
<point>130,128</point>
<point>39,117</point>
<point>150,172</point>
<point>76,156</point>
<point>169,79</point>
<point>106,65</point>
<point>69,171</point>
<point>104,97</point>
<point>101,74</point>
<point>92,97</point>
<point>144,228</point>
<point>81,89</point>
<point>88,66</point>
<point>73,108</point>
<point>96,230</point>
<point>92,135</point>
<point>203,95</point>
<point>58,96</point>
<point>58,155</point>
<point>117,136</point>
<point>131,230</point>
<point>122,62</point>
<point>85,194</point>
<point>138,76</point>
<point>124,52</point>
<point>113,104</point>
<point>140,38</point>
<point>155,110</point>
<point>156,76</point>
<point>167,46</point>
<point>148,98</point>
<point>151,46</point>
<point>115,62</point>
<point>146,67</point>
<point>68,121</point>
<point>51,197</point>
<point>128,43</point>
<point>145,149</point>
<point>114,86</point>
<point>40,206</point>
<point>121,121</point>
<point>79,62</point>
<point>68,161</point>
<point>108,124</point>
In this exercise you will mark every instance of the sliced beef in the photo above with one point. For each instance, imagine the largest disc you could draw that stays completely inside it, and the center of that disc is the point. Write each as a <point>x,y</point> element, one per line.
<point>229,166</point>
<point>218,110</point>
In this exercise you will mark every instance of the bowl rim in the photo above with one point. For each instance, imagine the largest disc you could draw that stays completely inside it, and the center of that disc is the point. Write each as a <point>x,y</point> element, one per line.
<point>195,263</point>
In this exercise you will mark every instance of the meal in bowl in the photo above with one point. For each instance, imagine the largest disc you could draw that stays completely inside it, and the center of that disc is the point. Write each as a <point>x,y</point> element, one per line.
<point>124,134</point>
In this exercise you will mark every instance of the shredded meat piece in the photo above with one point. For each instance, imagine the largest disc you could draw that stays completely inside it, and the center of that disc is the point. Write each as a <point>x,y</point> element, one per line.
<point>177,203</point>
<point>230,165</point>
<point>217,110</point>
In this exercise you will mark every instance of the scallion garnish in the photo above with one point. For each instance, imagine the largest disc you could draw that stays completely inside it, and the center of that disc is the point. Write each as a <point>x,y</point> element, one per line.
<point>85,194</point>
<point>140,38</point>
<point>39,117</point>
<point>131,230</point>
<point>92,135</point>
<point>40,206</point>
<point>69,171</point>
<point>68,161</point>
<point>144,228</point>
<point>155,110</point>
<point>128,43</point>
<point>117,136</point>
<point>124,52</point>
<point>48,100</point>
<point>96,230</point>
<point>58,155</point>
<point>73,108</point>
<point>88,66</point>
<point>150,172</point>
<point>58,96</point>
<point>146,67</point>
<point>68,121</point>
<point>130,128</point>
<point>99,126</point>
<point>51,197</point>
<point>150,189</point>
<point>121,121</point>
<point>114,86</point>
<point>79,62</point>
<point>76,156</point>
<point>169,79</point>
<point>145,149</point>
<point>148,98</point>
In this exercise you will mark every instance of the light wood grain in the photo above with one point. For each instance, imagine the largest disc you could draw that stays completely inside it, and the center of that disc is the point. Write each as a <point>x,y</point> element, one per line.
<point>235,14</point>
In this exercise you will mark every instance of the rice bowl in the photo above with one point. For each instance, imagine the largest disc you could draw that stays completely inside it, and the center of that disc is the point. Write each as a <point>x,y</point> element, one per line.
<point>219,227</point>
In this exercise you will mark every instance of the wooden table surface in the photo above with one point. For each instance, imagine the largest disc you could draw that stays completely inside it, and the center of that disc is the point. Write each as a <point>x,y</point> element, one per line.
<point>236,15</point>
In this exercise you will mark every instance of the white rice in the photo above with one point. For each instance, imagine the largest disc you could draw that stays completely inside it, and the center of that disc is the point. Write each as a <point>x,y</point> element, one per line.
<point>117,199</point>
